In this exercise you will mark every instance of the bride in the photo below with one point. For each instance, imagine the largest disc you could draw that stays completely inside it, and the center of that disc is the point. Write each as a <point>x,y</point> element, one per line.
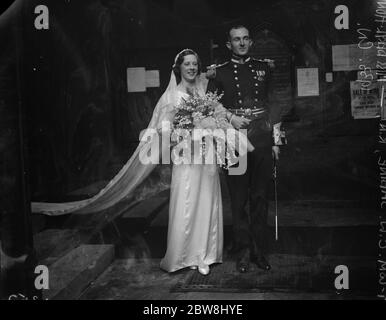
<point>195,230</point>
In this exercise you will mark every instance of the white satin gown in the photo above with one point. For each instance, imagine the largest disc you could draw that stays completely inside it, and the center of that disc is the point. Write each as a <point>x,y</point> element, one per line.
<point>195,228</point>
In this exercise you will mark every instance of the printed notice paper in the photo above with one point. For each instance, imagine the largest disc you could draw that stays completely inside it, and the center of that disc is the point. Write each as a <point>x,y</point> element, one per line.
<point>152,79</point>
<point>308,82</point>
<point>136,79</point>
<point>365,103</point>
<point>349,57</point>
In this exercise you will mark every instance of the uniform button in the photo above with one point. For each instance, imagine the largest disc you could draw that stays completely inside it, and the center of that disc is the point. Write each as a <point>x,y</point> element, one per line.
<point>237,85</point>
<point>235,65</point>
<point>255,78</point>
<point>240,101</point>
<point>239,93</point>
<point>250,66</point>
<point>256,100</point>
<point>236,78</point>
<point>235,71</point>
<point>256,85</point>
<point>257,92</point>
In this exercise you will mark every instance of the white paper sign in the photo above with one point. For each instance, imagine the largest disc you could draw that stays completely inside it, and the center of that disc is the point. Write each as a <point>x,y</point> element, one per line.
<point>349,57</point>
<point>152,79</point>
<point>308,82</point>
<point>136,80</point>
<point>365,104</point>
<point>329,77</point>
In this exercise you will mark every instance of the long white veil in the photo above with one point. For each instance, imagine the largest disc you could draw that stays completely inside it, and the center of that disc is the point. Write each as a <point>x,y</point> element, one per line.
<point>133,172</point>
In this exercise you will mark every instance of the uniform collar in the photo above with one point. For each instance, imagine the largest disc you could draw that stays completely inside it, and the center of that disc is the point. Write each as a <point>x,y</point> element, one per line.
<point>239,59</point>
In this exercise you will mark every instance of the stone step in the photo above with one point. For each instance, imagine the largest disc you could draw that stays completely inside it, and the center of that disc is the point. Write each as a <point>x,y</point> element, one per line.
<point>322,214</point>
<point>134,279</point>
<point>147,209</point>
<point>340,241</point>
<point>73,273</point>
<point>290,273</point>
<point>302,214</point>
<point>54,243</point>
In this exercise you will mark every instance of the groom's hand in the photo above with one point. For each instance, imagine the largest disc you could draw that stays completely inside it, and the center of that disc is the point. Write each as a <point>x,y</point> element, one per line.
<point>239,122</point>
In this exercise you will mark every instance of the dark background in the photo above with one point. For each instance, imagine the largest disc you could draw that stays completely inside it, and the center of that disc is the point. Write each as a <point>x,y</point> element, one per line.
<point>68,124</point>
<point>82,125</point>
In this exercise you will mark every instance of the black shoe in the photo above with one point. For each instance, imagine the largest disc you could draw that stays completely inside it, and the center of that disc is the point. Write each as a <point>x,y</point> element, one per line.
<point>242,264</point>
<point>261,262</point>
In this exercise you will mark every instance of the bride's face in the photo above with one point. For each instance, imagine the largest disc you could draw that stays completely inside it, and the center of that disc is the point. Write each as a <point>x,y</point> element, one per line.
<point>189,68</point>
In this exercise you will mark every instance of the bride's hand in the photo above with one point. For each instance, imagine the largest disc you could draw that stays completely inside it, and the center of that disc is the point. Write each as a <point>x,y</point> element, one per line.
<point>239,122</point>
<point>208,123</point>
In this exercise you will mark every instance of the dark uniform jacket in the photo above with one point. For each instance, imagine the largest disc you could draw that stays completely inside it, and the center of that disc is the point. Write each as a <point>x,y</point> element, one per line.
<point>245,86</point>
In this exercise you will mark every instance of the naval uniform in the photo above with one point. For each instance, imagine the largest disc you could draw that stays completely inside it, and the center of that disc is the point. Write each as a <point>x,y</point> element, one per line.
<point>245,87</point>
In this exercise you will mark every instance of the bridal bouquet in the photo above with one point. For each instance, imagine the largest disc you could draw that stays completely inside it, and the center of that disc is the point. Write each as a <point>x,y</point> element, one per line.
<point>191,111</point>
<point>199,117</point>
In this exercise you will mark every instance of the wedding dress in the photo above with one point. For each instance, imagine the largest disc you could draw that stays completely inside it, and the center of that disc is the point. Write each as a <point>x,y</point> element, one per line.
<point>195,230</point>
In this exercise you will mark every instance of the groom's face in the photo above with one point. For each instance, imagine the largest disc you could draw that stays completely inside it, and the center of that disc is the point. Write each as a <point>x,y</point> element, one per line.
<point>239,41</point>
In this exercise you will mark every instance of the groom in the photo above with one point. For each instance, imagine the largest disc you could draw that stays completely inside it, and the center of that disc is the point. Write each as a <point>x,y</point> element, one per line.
<point>244,82</point>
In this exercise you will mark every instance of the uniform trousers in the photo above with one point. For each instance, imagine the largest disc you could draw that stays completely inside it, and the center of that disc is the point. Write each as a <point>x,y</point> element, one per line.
<point>249,194</point>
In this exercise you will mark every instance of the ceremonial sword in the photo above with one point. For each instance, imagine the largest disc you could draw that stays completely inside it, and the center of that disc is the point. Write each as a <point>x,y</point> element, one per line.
<point>276,209</point>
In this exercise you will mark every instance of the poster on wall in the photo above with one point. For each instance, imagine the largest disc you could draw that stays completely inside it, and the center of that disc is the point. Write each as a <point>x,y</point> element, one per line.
<point>136,79</point>
<point>308,82</point>
<point>349,57</point>
<point>152,79</point>
<point>365,103</point>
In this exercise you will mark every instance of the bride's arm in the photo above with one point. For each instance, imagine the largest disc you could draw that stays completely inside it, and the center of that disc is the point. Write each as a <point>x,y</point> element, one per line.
<point>230,116</point>
<point>225,116</point>
<point>222,113</point>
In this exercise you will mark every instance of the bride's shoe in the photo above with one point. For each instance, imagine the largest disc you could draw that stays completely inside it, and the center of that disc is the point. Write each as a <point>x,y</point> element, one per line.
<point>204,269</point>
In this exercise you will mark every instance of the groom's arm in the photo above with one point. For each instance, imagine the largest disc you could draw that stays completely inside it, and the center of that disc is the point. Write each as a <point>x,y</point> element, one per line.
<point>214,84</point>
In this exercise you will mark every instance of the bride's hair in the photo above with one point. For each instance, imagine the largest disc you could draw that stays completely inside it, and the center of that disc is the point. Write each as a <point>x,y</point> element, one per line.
<point>180,59</point>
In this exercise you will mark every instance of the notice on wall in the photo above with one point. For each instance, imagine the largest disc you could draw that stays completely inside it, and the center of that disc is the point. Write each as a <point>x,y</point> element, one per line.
<point>329,77</point>
<point>365,103</point>
<point>308,82</point>
<point>136,79</point>
<point>152,79</point>
<point>350,57</point>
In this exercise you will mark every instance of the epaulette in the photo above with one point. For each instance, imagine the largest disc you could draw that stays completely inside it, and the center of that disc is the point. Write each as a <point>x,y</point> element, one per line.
<point>260,60</point>
<point>270,62</point>
<point>215,66</point>
<point>211,70</point>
